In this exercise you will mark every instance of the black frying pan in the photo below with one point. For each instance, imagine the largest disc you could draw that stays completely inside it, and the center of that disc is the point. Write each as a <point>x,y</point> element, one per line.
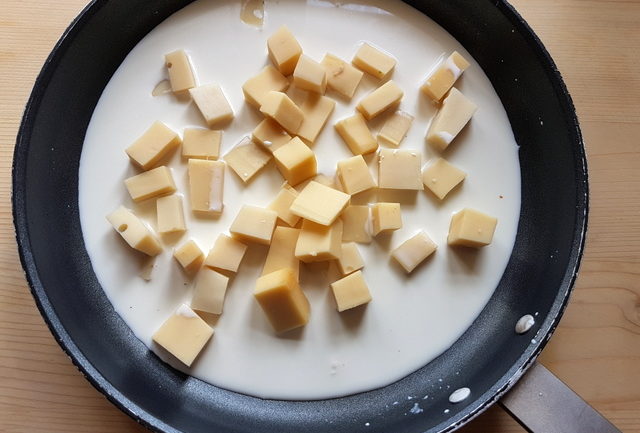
<point>488,358</point>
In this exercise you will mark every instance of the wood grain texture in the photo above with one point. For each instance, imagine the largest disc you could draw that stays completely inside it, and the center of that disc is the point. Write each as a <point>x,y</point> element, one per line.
<point>596,349</point>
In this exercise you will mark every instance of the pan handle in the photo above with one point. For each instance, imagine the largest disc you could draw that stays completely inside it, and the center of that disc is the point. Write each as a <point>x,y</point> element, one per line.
<point>542,403</point>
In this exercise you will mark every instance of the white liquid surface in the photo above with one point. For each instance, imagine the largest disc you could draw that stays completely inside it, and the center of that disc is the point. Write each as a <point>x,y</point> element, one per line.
<point>412,319</point>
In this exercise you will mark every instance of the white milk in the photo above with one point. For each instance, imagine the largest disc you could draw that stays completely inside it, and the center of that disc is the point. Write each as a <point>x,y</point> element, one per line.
<point>412,319</point>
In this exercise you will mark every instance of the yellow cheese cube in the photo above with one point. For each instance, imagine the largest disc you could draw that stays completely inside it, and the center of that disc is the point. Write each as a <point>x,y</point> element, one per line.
<point>399,169</point>
<point>199,143</point>
<point>183,335</point>
<point>256,88</point>
<point>157,142</point>
<point>284,50</point>
<point>206,185</point>
<point>246,159</point>
<point>351,291</point>
<point>354,175</point>
<point>170,214</point>
<point>413,251</point>
<point>357,224</point>
<point>316,109</point>
<point>455,113</point>
<point>254,224</point>
<point>190,256</point>
<point>351,260</point>
<point>440,177</point>
<point>317,243</point>
<point>373,61</point>
<point>226,254</point>
<point>319,203</point>
<point>282,251</point>
<point>355,132</point>
<point>386,217</point>
<point>444,76</point>
<point>341,76</point>
<point>283,110</point>
<point>471,228</point>
<point>395,129</point>
<point>282,204</point>
<point>180,72</point>
<point>134,231</point>
<point>295,161</point>
<point>310,75</point>
<point>270,135</point>
<point>282,300</point>
<point>386,96</point>
<point>152,183</point>
<point>212,103</point>
<point>209,291</point>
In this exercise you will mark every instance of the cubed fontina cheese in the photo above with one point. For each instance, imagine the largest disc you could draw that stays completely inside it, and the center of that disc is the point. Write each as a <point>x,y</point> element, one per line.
<point>209,291</point>
<point>256,88</point>
<point>357,224</point>
<point>317,243</point>
<point>295,161</point>
<point>282,300</point>
<point>386,96</point>
<point>134,231</point>
<point>444,76</point>
<point>413,251</point>
<point>152,183</point>
<point>355,132</point>
<point>471,228</point>
<point>155,143</point>
<point>190,256</point>
<point>440,177</point>
<point>170,214</point>
<point>246,159</point>
<point>226,254</point>
<point>310,75</point>
<point>212,103</point>
<point>354,175</point>
<point>282,204</point>
<point>183,335</point>
<point>386,217</point>
<point>199,143</point>
<point>206,185</point>
<point>351,291</point>
<point>284,50</point>
<point>399,169</point>
<point>373,61</point>
<point>342,77</point>
<point>254,224</point>
<point>270,135</point>
<point>395,129</point>
<point>351,260</point>
<point>316,109</point>
<point>282,251</point>
<point>279,107</point>
<point>455,113</point>
<point>319,203</point>
<point>180,72</point>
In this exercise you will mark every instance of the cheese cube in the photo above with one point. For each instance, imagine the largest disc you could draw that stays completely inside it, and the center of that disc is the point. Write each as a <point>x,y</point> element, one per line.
<point>206,185</point>
<point>440,177</point>
<point>386,96</point>
<point>413,251</point>
<point>310,75</point>
<point>199,143</point>
<point>326,181</point>
<point>341,76</point>
<point>283,110</point>
<point>284,50</point>
<point>282,251</point>
<point>134,231</point>
<point>270,135</point>
<point>455,113</point>
<point>183,335</point>
<point>190,256</point>
<point>208,295</point>
<point>180,72</point>
<point>254,224</point>
<point>444,76</point>
<point>471,228</point>
<point>316,109</point>
<point>373,61</point>
<point>282,300</point>
<point>147,268</point>
<point>351,291</point>
<point>386,217</point>
<point>354,175</point>
<point>152,183</point>
<point>246,159</point>
<point>256,88</point>
<point>395,129</point>
<point>282,204</point>
<point>212,103</point>
<point>355,132</point>
<point>295,161</point>
<point>357,224</point>
<point>319,203</point>
<point>170,214</point>
<point>157,142</point>
<point>351,260</point>
<point>399,169</point>
<point>317,243</point>
<point>226,254</point>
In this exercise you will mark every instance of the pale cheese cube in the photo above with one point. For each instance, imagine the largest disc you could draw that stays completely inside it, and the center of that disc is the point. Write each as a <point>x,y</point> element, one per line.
<point>212,103</point>
<point>413,251</point>
<point>399,169</point>
<point>325,180</point>
<point>152,183</point>
<point>284,50</point>
<point>180,72</point>
<point>270,135</point>
<point>310,75</point>
<point>255,89</point>
<point>226,254</point>
<point>282,251</point>
<point>279,107</point>
<point>209,291</point>
<point>354,175</point>
<point>317,243</point>
<point>316,109</point>
<point>134,231</point>
<point>455,113</point>
<point>355,132</point>
<point>254,224</point>
<point>170,214</point>
<point>341,76</point>
<point>351,260</point>
<point>155,143</point>
<point>282,204</point>
<point>444,76</point>
<point>199,143</point>
<point>246,159</point>
<point>206,185</point>
<point>471,228</point>
<point>373,61</point>
<point>320,203</point>
<point>386,217</point>
<point>384,97</point>
<point>395,129</point>
<point>357,224</point>
<point>282,300</point>
<point>295,161</point>
<point>190,256</point>
<point>440,177</point>
<point>351,291</point>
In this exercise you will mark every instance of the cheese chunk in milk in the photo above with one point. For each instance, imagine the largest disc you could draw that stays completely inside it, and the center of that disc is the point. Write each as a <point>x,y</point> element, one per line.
<point>284,50</point>
<point>206,185</point>
<point>342,77</point>
<point>153,183</point>
<point>318,243</point>
<point>354,175</point>
<point>440,177</point>
<point>310,75</point>
<point>282,251</point>
<point>319,203</point>
<point>226,254</point>
<point>153,145</point>
<point>351,291</point>
<point>282,205</point>
<point>270,135</point>
<point>384,97</point>
<point>256,88</point>
<point>400,169</point>
<point>444,76</point>
<point>282,300</point>
<point>279,107</point>
<point>471,228</point>
<point>254,224</point>
<point>170,214</point>
<point>212,103</point>
<point>181,74</point>
<point>246,159</point>
<point>455,113</point>
<point>200,143</point>
<point>386,217</point>
<point>134,231</point>
<point>357,224</point>
<point>355,132</point>
<point>395,129</point>
<point>350,260</point>
<point>295,161</point>
<point>190,256</point>
<point>316,109</point>
<point>373,61</point>
<point>413,251</point>
<point>209,291</point>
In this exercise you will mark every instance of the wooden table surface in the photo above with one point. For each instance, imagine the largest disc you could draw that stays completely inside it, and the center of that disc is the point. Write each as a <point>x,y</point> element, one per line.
<point>596,349</point>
